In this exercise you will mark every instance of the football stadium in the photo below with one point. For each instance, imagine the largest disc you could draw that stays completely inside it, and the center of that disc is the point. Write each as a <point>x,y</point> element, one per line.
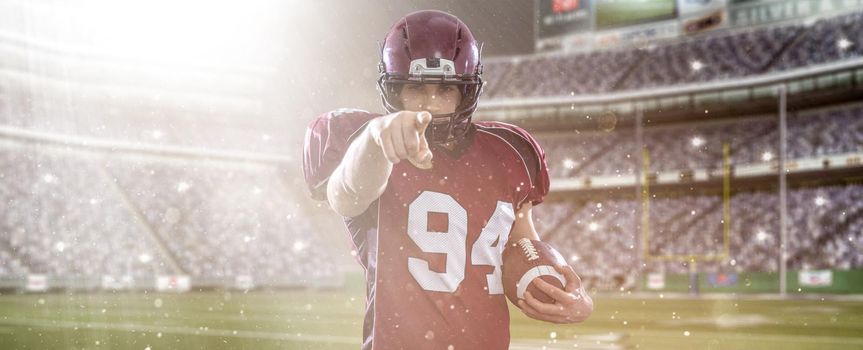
<point>705,160</point>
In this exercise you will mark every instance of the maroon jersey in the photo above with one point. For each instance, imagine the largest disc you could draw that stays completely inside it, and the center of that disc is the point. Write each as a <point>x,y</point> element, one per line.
<point>431,244</point>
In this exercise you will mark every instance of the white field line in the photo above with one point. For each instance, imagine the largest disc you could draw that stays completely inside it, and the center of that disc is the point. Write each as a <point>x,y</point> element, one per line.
<point>306,317</point>
<point>585,342</point>
<point>563,345</point>
<point>211,332</point>
<point>221,315</point>
<point>725,336</point>
<point>669,335</point>
<point>589,342</point>
<point>730,296</point>
<point>293,319</point>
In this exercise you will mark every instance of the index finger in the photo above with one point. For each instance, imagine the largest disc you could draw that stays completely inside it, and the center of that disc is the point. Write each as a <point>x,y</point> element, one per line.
<point>423,119</point>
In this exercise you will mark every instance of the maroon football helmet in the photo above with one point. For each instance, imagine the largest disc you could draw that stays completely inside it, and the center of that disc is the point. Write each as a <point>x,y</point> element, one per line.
<point>432,47</point>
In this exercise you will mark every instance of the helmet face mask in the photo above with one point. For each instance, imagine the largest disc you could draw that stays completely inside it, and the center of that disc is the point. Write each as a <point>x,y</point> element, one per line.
<point>445,127</point>
<point>432,47</point>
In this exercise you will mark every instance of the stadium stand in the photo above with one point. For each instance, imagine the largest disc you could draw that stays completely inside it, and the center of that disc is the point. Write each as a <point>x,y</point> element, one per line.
<point>222,221</point>
<point>93,213</point>
<point>824,230</point>
<point>835,130</point>
<point>734,53</point>
<point>59,220</point>
<point>67,216</point>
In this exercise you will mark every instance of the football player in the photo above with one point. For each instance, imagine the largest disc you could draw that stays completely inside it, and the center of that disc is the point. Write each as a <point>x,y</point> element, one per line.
<point>430,197</point>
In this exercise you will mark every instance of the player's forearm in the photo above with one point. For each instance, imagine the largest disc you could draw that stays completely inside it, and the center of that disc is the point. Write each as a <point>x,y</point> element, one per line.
<point>523,225</point>
<point>360,178</point>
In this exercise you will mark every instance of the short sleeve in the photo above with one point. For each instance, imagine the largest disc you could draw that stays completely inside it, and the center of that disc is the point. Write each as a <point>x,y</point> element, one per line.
<point>532,154</point>
<point>327,139</point>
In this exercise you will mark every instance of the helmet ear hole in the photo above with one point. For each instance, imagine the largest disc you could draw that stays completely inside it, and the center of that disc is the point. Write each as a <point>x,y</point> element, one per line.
<point>390,95</point>
<point>470,94</point>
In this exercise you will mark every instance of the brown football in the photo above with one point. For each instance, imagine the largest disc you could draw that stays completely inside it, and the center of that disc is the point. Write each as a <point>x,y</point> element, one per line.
<point>525,260</point>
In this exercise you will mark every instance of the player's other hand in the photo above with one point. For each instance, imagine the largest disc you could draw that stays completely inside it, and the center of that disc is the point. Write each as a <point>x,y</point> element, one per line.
<point>572,304</point>
<point>401,135</point>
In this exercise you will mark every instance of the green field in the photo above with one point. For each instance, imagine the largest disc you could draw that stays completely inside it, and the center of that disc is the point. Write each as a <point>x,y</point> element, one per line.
<point>333,320</point>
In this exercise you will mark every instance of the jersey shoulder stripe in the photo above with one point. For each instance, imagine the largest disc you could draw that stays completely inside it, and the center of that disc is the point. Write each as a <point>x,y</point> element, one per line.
<point>528,149</point>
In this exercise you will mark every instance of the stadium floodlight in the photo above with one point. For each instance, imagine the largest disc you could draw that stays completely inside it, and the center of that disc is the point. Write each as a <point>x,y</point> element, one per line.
<point>145,258</point>
<point>820,201</point>
<point>299,246</point>
<point>194,31</point>
<point>183,186</point>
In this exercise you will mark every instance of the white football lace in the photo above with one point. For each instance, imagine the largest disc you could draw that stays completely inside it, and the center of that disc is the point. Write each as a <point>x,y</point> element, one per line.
<point>528,249</point>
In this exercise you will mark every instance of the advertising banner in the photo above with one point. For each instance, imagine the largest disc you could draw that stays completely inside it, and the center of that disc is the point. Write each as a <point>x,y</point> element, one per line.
<point>36,283</point>
<point>172,283</point>
<point>816,278</point>
<point>752,12</point>
<point>656,280</point>
<point>562,17</point>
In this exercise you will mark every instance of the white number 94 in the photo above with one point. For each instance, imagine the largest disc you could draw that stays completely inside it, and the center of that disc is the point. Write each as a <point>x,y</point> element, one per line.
<point>452,242</point>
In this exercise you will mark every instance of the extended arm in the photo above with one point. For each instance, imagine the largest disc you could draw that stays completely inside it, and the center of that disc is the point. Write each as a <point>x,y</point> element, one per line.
<point>362,175</point>
<point>360,178</point>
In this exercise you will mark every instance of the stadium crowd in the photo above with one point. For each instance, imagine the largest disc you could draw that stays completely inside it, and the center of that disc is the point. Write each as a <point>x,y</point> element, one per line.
<point>73,215</point>
<point>730,54</point>
<point>70,215</point>
<point>835,130</point>
<point>600,237</point>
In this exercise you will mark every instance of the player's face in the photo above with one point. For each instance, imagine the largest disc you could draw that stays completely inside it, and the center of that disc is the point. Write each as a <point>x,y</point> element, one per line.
<point>435,98</point>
